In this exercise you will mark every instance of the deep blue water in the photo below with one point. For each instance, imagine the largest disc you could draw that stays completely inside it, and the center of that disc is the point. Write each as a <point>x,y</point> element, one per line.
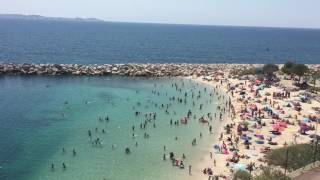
<point>83,42</point>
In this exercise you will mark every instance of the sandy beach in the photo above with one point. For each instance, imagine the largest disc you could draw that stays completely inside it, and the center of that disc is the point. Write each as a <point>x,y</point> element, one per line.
<point>243,97</point>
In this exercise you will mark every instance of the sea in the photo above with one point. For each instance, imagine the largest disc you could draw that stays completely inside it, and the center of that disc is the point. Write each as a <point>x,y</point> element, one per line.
<point>45,120</point>
<point>40,41</point>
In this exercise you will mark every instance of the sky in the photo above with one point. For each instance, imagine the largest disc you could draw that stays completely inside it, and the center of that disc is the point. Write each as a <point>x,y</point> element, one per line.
<point>269,13</point>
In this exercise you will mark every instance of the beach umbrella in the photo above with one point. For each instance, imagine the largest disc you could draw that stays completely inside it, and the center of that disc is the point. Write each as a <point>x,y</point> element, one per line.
<point>239,167</point>
<point>258,81</point>
<point>304,128</point>
<point>283,124</point>
<point>277,127</point>
<point>306,119</point>
<point>261,86</point>
<point>253,106</point>
<point>245,138</point>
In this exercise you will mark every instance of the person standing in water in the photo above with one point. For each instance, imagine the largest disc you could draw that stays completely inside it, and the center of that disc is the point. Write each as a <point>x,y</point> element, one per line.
<point>64,166</point>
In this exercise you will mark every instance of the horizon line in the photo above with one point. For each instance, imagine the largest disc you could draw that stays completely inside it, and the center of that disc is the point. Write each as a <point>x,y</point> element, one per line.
<point>167,23</point>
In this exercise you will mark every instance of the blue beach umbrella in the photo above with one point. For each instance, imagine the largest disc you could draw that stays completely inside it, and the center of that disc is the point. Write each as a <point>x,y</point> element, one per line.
<point>306,119</point>
<point>239,167</point>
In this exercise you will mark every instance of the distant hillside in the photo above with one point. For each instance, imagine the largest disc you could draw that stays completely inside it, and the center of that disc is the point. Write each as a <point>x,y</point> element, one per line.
<point>38,17</point>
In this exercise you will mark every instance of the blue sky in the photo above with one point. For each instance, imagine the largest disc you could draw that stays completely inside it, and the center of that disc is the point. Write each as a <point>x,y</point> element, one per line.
<point>274,13</point>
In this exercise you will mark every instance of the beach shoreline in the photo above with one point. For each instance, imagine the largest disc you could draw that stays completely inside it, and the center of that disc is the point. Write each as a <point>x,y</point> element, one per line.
<point>221,79</point>
<point>206,160</point>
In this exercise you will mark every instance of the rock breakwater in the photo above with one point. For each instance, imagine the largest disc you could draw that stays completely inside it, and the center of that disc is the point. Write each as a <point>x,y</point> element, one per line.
<point>151,70</point>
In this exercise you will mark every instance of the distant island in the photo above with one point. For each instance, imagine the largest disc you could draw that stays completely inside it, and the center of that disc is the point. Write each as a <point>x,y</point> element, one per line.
<point>38,17</point>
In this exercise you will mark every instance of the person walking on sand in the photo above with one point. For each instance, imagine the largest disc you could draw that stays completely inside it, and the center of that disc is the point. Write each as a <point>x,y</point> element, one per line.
<point>190,169</point>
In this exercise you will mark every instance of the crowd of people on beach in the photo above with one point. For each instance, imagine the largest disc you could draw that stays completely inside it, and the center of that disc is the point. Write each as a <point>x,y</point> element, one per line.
<point>260,119</point>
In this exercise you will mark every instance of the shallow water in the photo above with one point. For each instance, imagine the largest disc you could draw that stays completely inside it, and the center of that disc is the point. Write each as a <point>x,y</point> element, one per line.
<point>42,115</point>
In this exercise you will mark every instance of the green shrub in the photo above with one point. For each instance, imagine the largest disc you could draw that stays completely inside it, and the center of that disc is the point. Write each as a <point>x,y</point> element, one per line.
<point>242,175</point>
<point>299,156</point>
<point>268,173</point>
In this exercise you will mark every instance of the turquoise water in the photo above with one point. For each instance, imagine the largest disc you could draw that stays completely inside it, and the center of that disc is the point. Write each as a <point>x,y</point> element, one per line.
<point>42,115</point>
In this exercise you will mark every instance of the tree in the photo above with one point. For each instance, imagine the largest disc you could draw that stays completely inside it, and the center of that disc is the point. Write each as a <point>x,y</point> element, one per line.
<point>269,69</point>
<point>315,75</point>
<point>300,70</point>
<point>287,67</point>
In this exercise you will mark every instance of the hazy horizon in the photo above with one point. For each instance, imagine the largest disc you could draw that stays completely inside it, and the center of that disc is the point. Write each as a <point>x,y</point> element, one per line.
<point>263,13</point>
<point>160,23</point>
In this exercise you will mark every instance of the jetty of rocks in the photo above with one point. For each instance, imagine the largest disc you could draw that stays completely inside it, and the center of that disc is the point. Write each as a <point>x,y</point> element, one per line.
<point>148,70</point>
<point>144,70</point>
